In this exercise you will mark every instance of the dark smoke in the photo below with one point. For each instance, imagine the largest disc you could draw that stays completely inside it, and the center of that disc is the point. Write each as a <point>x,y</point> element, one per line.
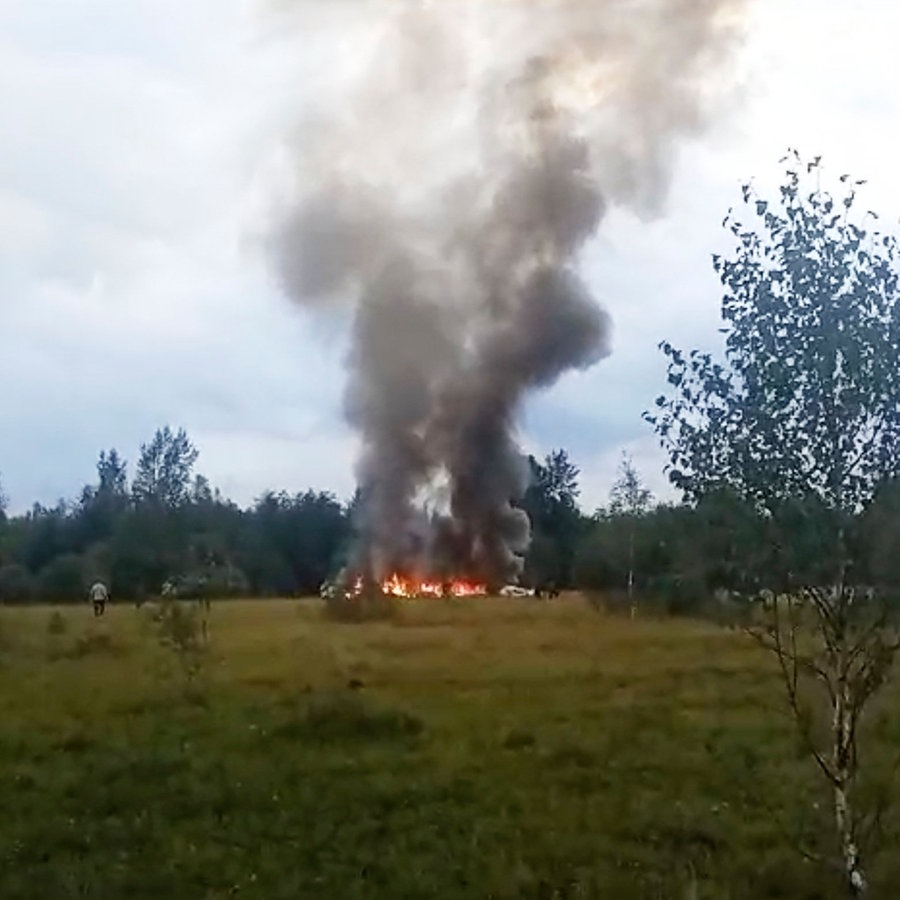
<point>444,195</point>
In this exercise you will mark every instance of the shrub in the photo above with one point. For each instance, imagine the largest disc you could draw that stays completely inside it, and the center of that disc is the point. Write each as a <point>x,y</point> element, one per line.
<point>62,579</point>
<point>56,624</point>
<point>365,607</point>
<point>350,717</point>
<point>16,584</point>
<point>181,627</point>
<point>96,644</point>
<point>517,739</point>
<point>211,583</point>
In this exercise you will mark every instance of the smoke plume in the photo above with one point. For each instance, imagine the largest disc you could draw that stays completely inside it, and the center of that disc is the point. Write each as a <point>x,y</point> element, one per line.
<point>442,194</point>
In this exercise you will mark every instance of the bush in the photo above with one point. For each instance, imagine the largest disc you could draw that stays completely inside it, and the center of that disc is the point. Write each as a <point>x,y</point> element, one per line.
<point>365,607</point>
<point>672,597</point>
<point>57,646</point>
<point>612,601</point>
<point>16,584</point>
<point>211,583</point>
<point>181,628</point>
<point>349,717</point>
<point>56,624</point>
<point>518,739</point>
<point>99,644</point>
<point>226,581</point>
<point>62,579</point>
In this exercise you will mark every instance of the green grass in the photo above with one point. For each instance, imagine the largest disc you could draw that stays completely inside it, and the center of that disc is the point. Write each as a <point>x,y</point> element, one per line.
<point>464,749</point>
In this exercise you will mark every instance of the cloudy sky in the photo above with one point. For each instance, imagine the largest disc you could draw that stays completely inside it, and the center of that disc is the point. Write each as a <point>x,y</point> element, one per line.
<point>133,294</point>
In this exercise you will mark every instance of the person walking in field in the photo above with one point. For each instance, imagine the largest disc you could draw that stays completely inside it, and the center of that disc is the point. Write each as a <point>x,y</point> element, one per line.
<point>99,595</point>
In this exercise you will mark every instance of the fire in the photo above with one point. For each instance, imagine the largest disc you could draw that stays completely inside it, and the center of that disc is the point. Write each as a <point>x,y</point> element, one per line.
<point>398,585</point>
<point>402,586</point>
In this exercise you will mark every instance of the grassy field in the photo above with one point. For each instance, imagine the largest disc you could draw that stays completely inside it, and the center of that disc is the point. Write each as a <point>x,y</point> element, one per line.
<point>466,749</point>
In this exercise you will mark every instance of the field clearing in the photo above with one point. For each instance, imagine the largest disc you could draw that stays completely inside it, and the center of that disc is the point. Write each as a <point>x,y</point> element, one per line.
<point>488,748</point>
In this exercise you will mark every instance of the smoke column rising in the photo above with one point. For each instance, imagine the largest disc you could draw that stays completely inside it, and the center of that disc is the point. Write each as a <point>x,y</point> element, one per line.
<point>443,192</point>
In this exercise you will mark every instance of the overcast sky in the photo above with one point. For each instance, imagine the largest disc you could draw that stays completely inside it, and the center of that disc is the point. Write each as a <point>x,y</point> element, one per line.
<point>132,294</point>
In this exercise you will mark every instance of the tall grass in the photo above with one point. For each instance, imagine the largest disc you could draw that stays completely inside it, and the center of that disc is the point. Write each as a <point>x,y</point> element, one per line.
<point>498,749</point>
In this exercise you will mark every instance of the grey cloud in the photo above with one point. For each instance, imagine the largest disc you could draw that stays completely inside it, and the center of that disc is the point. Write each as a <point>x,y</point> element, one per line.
<point>129,140</point>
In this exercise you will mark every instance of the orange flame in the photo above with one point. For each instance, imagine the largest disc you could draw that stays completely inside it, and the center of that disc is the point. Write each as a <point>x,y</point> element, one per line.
<point>401,586</point>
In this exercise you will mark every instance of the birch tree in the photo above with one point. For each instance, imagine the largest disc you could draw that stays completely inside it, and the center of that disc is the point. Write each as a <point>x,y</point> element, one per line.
<point>800,416</point>
<point>629,499</point>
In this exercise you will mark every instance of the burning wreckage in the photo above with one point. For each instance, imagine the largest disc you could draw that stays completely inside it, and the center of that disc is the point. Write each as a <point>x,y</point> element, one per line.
<point>403,587</point>
<point>411,588</point>
<point>439,200</point>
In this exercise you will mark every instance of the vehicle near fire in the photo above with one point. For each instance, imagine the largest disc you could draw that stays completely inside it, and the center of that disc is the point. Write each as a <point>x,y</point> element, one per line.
<point>329,590</point>
<point>515,590</point>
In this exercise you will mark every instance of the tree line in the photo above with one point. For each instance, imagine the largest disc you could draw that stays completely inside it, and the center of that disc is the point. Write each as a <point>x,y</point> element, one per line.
<point>168,523</point>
